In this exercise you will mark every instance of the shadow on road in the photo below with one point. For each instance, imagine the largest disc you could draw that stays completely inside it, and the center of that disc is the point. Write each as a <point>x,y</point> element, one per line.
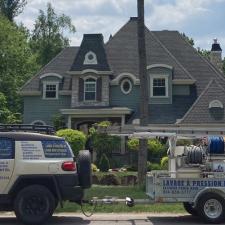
<point>175,220</point>
<point>153,220</point>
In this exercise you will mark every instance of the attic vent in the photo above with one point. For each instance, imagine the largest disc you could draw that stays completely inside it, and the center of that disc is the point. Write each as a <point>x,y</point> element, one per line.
<point>215,104</point>
<point>90,59</point>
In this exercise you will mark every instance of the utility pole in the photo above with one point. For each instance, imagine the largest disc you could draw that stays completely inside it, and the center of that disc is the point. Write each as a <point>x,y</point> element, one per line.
<point>142,154</point>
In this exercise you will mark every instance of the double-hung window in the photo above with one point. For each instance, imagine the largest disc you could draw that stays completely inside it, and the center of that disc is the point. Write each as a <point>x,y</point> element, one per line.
<point>50,91</point>
<point>90,89</point>
<point>159,86</point>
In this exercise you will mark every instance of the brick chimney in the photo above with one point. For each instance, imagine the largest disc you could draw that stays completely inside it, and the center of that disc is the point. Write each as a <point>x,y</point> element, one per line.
<point>216,55</point>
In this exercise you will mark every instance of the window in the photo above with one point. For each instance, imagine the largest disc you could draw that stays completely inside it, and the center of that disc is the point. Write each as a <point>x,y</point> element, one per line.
<point>38,122</point>
<point>50,91</point>
<point>6,149</point>
<point>159,86</point>
<point>90,59</point>
<point>126,86</point>
<point>90,89</point>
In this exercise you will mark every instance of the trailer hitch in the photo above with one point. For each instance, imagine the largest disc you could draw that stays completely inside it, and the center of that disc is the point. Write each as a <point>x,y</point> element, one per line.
<point>95,201</point>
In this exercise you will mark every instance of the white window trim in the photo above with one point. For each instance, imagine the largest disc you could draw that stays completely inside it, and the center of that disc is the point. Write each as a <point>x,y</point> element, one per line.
<point>122,89</point>
<point>216,104</point>
<point>38,121</point>
<point>94,78</point>
<point>44,89</point>
<point>155,76</point>
<point>92,61</point>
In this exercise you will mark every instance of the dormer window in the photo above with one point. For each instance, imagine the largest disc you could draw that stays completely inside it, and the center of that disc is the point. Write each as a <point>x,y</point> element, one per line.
<point>90,89</point>
<point>90,59</point>
<point>50,90</point>
<point>159,86</point>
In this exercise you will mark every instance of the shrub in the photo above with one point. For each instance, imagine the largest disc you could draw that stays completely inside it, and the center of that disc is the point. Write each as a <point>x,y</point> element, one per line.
<point>164,162</point>
<point>75,138</point>
<point>156,150</point>
<point>104,163</point>
<point>94,168</point>
<point>103,143</point>
<point>153,166</point>
<point>133,144</point>
<point>109,179</point>
<point>58,121</point>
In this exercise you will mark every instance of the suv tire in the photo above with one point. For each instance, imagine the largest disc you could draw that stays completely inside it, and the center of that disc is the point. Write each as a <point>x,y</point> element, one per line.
<point>211,208</point>
<point>84,168</point>
<point>34,205</point>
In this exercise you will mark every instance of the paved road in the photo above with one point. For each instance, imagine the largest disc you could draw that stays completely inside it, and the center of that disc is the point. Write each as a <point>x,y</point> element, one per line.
<point>111,219</point>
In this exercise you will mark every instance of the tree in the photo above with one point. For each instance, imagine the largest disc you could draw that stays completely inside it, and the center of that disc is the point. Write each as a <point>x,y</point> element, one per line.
<point>142,154</point>
<point>11,8</point>
<point>17,63</point>
<point>48,39</point>
<point>5,115</point>
<point>188,39</point>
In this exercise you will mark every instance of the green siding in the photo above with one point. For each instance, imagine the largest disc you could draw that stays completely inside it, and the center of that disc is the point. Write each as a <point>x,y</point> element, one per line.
<point>161,71</point>
<point>35,108</point>
<point>181,90</point>
<point>119,99</point>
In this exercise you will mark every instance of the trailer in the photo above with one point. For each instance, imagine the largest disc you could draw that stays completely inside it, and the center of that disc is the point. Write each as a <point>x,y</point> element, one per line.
<point>195,175</point>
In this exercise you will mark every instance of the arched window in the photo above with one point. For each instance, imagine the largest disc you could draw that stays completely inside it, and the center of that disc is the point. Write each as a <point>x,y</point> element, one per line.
<point>90,89</point>
<point>38,122</point>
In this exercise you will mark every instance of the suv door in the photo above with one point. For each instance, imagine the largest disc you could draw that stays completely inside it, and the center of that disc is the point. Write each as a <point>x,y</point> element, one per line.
<point>7,154</point>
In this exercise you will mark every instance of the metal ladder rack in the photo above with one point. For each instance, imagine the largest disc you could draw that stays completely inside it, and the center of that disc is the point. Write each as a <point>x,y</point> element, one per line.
<point>194,132</point>
<point>27,128</point>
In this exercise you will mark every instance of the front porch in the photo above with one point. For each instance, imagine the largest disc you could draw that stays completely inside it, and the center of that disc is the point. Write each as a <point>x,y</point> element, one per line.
<point>75,117</point>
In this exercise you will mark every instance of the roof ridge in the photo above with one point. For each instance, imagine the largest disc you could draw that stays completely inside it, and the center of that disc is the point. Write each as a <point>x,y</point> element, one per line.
<point>170,54</point>
<point>117,32</point>
<point>215,69</point>
<point>42,68</point>
<point>198,99</point>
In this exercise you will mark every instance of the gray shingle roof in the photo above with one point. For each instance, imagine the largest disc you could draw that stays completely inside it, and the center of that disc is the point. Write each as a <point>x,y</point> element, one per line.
<point>200,113</point>
<point>200,68</point>
<point>122,52</point>
<point>60,65</point>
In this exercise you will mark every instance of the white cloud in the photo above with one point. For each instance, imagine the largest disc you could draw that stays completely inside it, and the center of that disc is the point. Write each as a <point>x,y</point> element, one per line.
<point>107,16</point>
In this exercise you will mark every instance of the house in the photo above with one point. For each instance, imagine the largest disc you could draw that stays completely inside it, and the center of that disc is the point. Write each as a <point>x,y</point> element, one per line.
<point>100,81</point>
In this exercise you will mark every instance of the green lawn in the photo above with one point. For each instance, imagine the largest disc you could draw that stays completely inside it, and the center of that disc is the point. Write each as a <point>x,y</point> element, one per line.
<point>121,192</point>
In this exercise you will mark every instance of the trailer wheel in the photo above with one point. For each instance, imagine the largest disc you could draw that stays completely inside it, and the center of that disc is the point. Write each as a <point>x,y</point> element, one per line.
<point>211,208</point>
<point>190,208</point>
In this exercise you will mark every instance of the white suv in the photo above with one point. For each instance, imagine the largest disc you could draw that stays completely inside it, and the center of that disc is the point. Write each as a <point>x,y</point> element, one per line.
<point>37,172</point>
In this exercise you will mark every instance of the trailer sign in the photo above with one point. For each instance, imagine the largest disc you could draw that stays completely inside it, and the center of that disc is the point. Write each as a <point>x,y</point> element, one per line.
<point>190,187</point>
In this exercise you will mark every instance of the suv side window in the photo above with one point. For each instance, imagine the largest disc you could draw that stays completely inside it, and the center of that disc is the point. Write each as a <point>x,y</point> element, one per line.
<point>57,149</point>
<point>7,148</point>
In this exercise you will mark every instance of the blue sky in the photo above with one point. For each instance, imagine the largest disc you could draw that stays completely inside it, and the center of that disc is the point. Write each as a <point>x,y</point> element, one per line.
<point>203,20</point>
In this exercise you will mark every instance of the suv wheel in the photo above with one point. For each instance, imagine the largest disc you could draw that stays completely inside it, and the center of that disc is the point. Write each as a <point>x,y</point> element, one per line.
<point>34,205</point>
<point>211,207</point>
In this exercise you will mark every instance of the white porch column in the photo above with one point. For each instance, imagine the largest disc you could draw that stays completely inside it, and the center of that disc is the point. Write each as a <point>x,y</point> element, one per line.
<point>69,125</point>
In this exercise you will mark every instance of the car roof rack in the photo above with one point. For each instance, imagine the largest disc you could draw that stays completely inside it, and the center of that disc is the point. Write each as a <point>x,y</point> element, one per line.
<point>43,129</point>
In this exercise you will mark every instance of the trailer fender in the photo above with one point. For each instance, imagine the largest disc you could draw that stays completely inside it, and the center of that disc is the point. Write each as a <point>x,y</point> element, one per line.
<point>217,190</point>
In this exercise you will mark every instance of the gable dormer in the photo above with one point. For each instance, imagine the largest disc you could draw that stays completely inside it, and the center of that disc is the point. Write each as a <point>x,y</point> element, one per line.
<point>90,73</point>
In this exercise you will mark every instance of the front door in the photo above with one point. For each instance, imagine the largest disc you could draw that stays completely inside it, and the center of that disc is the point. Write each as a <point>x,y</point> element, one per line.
<point>7,153</point>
